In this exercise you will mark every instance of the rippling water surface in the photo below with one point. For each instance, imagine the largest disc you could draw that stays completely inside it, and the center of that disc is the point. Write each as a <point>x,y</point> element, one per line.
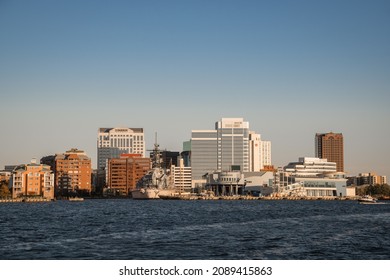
<point>130,229</point>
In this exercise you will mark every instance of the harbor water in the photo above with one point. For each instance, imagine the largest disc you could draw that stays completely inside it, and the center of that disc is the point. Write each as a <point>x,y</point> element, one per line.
<point>169,229</point>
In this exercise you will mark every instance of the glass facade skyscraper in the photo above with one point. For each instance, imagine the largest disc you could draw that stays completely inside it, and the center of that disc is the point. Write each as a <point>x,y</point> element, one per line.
<point>223,149</point>
<point>233,144</point>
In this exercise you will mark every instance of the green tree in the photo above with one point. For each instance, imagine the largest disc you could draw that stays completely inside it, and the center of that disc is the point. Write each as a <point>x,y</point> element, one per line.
<point>4,190</point>
<point>377,190</point>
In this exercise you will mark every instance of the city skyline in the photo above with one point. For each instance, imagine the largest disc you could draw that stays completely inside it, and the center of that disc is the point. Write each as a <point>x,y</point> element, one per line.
<point>291,69</point>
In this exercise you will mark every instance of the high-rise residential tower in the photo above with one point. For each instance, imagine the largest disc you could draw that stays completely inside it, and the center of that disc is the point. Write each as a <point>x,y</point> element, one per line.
<point>73,173</point>
<point>330,146</point>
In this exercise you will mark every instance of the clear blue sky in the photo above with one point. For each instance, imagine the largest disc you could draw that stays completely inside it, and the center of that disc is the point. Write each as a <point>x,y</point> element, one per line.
<point>290,68</point>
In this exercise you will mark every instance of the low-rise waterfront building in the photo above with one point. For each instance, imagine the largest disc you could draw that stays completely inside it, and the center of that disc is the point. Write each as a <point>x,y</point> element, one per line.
<point>123,173</point>
<point>309,167</point>
<point>32,180</point>
<point>313,177</point>
<point>182,177</point>
<point>259,183</point>
<point>226,183</point>
<point>367,179</point>
<point>329,185</point>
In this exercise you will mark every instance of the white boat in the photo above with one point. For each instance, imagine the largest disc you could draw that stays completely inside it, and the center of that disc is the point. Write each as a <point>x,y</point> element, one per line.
<point>367,199</point>
<point>76,199</point>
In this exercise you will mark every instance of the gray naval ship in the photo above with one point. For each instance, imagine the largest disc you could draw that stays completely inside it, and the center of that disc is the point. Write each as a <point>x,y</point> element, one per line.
<point>157,182</point>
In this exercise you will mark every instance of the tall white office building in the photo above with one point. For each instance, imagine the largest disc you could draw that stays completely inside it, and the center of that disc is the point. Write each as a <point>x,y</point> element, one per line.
<point>254,152</point>
<point>265,154</point>
<point>259,152</point>
<point>231,146</point>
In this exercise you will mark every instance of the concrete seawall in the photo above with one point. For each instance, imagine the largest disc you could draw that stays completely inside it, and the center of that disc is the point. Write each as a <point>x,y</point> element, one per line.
<point>29,199</point>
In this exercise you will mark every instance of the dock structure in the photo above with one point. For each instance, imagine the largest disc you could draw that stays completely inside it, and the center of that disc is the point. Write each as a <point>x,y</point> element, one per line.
<point>28,199</point>
<point>226,183</point>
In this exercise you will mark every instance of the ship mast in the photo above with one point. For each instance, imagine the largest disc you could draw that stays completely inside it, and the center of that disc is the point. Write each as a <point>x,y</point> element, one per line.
<point>156,160</point>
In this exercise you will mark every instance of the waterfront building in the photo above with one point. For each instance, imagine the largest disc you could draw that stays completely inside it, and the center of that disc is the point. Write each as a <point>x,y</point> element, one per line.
<point>367,179</point>
<point>382,180</point>
<point>34,180</point>
<point>229,183</point>
<point>231,146</point>
<point>123,173</point>
<point>73,173</point>
<point>330,146</point>
<point>329,185</point>
<point>255,162</point>
<point>309,167</point>
<point>112,142</point>
<point>269,168</point>
<point>226,183</point>
<point>204,153</point>
<point>225,148</point>
<point>182,177</point>
<point>259,183</point>
<point>265,155</point>
<point>315,177</point>
<point>259,153</point>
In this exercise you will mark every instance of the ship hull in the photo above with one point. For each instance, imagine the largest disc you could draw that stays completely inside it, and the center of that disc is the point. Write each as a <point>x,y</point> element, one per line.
<point>145,194</point>
<point>150,193</point>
